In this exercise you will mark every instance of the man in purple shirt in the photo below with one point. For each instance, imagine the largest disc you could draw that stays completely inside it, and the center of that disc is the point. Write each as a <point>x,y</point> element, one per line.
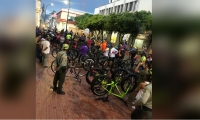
<point>83,49</point>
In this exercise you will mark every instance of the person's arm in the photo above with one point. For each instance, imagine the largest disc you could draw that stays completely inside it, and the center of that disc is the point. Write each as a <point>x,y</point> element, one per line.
<point>136,69</point>
<point>40,45</point>
<point>140,86</point>
<point>63,62</point>
<point>144,98</point>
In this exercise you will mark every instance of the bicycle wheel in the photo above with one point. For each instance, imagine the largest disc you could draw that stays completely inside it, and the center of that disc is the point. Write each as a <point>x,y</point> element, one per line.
<point>92,73</point>
<point>88,64</point>
<point>73,54</point>
<point>53,66</point>
<point>54,53</point>
<point>119,74</point>
<point>99,85</point>
<point>129,83</point>
<point>79,70</point>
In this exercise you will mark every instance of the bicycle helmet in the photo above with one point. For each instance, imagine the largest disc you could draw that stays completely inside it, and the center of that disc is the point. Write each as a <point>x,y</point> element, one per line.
<point>65,46</point>
<point>143,59</point>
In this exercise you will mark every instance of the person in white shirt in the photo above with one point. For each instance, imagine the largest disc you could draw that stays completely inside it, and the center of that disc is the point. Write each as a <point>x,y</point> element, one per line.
<point>106,52</point>
<point>62,40</point>
<point>45,46</point>
<point>113,52</point>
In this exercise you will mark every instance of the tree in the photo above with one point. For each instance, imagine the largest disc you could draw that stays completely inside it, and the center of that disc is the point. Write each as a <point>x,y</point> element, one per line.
<point>96,23</point>
<point>140,22</point>
<point>81,21</point>
<point>110,23</point>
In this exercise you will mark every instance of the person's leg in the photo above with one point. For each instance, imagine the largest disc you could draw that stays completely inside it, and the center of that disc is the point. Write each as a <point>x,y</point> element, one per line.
<point>43,57</point>
<point>149,114</point>
<point>55,80</point>
<point>46,56</point>
<point>62,74</point>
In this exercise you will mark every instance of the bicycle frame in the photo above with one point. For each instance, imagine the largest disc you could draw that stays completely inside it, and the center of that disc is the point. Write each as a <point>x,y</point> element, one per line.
<point>114,85</point>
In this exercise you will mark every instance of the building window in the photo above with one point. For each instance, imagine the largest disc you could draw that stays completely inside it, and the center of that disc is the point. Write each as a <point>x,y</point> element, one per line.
<point>103,12</point>
<point>121,8</point>
<point>131,5</point>
<point>134,7</point>
<point>111,9</point>
<point>71,18</point>
<point>115,9</point>
<point>118,8</point>
<point>126,7</point>
<point>107,12</point>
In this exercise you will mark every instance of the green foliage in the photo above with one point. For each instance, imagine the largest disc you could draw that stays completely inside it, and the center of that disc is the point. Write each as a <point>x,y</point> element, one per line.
<point>123,23</point>
<point>81,21</point>
<point>96,22</point>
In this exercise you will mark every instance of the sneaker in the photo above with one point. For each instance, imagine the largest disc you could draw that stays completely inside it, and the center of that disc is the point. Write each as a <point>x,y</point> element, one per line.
<point>61,92</point>
<point>55,89</point>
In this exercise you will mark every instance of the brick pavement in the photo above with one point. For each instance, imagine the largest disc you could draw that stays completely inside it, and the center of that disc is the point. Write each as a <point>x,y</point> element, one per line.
<point>77,103</point>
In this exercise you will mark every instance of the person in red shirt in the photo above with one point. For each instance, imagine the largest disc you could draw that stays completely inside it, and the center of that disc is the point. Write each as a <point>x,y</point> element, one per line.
<point>89,42</point>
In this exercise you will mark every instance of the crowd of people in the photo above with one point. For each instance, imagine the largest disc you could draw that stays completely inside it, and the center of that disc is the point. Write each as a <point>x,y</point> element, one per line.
<point>143,93</point>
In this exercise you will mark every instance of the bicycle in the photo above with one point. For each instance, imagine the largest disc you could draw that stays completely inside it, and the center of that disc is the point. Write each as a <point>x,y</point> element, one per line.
<point>102,85</point>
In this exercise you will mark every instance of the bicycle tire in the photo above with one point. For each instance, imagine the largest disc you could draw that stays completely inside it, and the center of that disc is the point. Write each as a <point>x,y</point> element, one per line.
<point>77,68</point>
<point>131,80</point>
<point>52,67</point>
<point>115,74</point>
<point>88,64</point>
<point>72,54</point>
<point>52,53</point>
<point>92,72</point>
<point>98,81</point>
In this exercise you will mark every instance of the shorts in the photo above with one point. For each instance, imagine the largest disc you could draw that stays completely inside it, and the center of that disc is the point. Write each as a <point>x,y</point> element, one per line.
<point>112,59</point>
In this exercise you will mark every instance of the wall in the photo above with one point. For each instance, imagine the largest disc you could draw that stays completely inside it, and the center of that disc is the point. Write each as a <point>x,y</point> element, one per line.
<point>145,5</point>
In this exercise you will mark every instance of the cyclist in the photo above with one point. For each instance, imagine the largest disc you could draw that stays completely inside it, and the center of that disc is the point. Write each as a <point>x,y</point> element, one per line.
<point>146,99</point>
<point>113,52</point>
<point>62,40</point>
<point>68,37</point>
<point>83,49</point>
<point>141,69</point>
<point>103,45</point>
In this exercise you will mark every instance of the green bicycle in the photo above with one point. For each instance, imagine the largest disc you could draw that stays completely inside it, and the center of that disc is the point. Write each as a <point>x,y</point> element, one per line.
<point>102,85</point>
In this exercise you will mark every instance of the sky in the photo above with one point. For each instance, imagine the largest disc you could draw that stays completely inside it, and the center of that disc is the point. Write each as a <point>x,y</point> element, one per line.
<point>89,6</point>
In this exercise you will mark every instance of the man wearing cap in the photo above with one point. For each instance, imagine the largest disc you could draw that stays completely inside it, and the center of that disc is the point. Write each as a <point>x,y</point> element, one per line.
<point>61,69</point>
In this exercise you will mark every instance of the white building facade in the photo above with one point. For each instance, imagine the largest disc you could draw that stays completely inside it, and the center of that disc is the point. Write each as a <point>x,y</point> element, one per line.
<point>62,19</point>
<point>119,6</point>
<point>38,12</point>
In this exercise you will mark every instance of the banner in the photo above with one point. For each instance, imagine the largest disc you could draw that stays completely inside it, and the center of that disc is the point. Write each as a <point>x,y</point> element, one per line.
<point>114,37</point>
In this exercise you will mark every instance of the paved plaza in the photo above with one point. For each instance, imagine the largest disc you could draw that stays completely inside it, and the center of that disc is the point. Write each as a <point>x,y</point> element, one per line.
<point>78,102</point>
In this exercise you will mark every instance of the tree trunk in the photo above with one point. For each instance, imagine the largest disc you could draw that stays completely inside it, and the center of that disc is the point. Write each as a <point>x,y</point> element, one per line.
<point>102,34</point>
<point>110,35</point>
<point>122,36</point>
<point>133,36</point>
<point>119,38</point>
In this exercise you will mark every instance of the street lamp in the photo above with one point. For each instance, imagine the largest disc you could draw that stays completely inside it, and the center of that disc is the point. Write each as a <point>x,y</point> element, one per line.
<point>67,2</point>
<point>46,10</point>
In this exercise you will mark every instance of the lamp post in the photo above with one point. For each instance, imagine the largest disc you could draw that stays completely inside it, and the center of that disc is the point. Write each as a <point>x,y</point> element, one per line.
<point>67,2</point>
<point>46,11</point>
